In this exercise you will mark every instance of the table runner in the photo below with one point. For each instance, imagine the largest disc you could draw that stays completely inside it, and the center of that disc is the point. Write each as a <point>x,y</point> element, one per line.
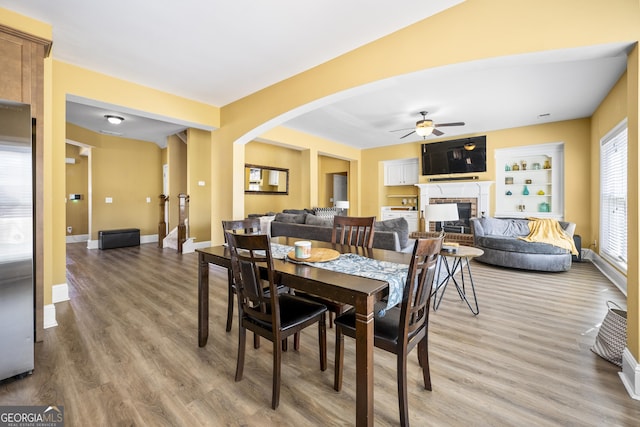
<point>393,273</point>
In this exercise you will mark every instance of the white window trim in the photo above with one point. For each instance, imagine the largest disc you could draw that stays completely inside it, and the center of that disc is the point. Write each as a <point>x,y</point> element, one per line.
<point>621,265</point>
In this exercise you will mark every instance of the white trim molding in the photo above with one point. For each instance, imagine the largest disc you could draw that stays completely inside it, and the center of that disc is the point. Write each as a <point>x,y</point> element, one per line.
<point>615,276</point>
<point>149,238</point>
<point>60,293</point>
<point>630,374</point>
<point>49,316</point>
<point>468,189</point>
<point>77,238</point>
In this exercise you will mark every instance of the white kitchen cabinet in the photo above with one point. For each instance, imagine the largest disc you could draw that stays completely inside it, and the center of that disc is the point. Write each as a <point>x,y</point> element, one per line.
<point>530,181</point>
<point>391,212</point>
<point>401,172</point>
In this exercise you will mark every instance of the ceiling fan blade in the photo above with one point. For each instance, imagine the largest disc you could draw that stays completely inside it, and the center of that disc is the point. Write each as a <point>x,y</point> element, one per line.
<point>436,132</point>
<point>413,131</point>
<point>439,125</point>
<point>398,130</point>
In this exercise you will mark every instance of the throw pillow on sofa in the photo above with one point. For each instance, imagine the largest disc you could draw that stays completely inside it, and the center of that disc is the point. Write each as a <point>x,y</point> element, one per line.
<point>325,212</point>
<point>316,220</point>
<point>505,226</point>
<point>291,218</point>
<point>296,211</point>
<point>399,225</point>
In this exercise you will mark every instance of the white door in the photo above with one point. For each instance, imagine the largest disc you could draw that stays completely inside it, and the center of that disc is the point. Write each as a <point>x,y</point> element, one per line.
<point>339,187</point>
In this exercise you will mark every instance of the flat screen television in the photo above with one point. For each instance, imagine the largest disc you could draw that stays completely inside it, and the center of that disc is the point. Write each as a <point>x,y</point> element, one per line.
<point>456,156</point>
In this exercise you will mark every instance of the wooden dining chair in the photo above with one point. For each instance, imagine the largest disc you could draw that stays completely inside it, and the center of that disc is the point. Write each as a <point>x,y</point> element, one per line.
<point>348,231</point>
<point>246,226</point>
<point>270,315</point>
<point>353,231</point>
<point>402,327</point>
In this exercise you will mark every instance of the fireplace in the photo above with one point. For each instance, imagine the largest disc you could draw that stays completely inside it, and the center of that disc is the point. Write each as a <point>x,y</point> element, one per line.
<point>472,199</point>
<point>466,209</point>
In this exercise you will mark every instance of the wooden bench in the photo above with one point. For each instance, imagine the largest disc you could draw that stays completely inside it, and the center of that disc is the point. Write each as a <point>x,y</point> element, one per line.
<point>109,239</point>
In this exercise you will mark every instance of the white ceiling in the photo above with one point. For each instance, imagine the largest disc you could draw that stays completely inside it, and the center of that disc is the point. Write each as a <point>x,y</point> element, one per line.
<point>219,51</point>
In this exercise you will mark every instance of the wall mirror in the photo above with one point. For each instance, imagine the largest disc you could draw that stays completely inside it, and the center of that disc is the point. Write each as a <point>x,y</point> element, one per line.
<point>265,180</point>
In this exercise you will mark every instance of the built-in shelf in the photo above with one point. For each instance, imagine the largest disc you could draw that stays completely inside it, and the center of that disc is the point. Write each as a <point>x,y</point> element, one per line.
<point>538,167</point>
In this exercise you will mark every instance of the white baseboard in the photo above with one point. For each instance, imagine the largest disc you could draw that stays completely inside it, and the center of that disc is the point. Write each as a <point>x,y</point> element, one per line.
<point>149,238</point>
<point>77,238</point>
<point>630,374</point>
<point>60,293</point>
<point>49,316</point>
<point>617,278</point>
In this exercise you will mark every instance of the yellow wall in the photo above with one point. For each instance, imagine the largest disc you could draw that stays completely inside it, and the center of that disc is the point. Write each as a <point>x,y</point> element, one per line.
<point>257,153</point>
<point>198,171</point>
<point>327,167</point>
<point>395,54</point>
<point>68,79</point>
<point>77,182</point>
<point>574,134</point>
<point>128,171</point>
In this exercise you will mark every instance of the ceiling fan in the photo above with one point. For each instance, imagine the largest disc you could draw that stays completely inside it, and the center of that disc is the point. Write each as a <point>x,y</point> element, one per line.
<point>426,127</point>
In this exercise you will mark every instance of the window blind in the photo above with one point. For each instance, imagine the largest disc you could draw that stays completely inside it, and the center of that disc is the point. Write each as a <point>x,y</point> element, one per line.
<point>613,196</point>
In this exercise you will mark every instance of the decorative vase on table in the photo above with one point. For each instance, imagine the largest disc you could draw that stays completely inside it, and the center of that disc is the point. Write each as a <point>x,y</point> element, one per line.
<point>525,191</point>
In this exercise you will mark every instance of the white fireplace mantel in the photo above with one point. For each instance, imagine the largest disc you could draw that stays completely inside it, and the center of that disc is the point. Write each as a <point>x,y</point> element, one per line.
<point>455,190</point>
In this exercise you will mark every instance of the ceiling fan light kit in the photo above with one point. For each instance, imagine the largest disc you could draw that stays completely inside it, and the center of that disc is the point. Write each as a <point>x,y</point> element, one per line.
<point>426,127</point>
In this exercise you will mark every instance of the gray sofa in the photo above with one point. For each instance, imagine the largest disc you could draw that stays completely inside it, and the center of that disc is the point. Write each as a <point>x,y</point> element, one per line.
<point>390,234</point>
<point>498,238</point>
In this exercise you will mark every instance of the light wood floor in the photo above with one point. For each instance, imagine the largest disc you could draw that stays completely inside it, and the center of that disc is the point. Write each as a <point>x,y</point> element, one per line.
<point>125,353</point>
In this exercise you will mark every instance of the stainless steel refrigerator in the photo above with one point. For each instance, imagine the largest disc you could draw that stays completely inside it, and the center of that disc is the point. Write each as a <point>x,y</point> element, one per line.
<point>16,240</point>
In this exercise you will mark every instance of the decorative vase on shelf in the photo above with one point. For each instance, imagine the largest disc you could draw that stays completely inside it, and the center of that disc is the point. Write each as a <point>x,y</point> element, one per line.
<point>525,192</point>
<point>421,224</point>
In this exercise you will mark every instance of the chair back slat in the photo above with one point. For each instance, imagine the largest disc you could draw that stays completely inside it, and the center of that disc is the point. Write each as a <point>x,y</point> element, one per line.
<point>353,231</point>
<point>416,298</point>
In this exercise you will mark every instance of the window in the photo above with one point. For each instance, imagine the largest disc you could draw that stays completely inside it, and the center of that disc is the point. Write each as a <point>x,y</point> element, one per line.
<point>613,196</point>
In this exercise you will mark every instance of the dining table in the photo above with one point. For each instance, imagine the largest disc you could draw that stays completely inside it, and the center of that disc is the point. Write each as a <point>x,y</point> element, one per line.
<point>360,292</point>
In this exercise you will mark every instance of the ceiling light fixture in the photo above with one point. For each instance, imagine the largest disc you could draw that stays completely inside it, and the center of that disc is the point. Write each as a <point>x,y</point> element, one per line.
<point>114,120</point>
<point>424,127</point>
